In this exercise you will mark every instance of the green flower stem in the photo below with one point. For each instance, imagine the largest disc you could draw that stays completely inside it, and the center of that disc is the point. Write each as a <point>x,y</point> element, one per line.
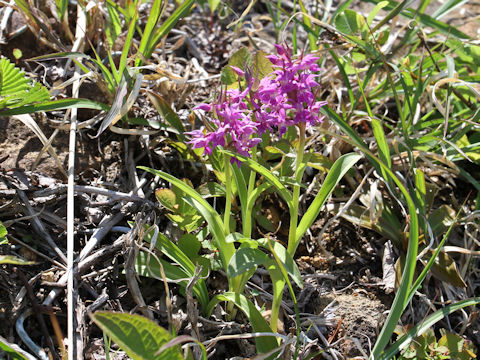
<point>247,221</point>
<point>228,195</point>
<point>276,303</point>
<point>292,242</point>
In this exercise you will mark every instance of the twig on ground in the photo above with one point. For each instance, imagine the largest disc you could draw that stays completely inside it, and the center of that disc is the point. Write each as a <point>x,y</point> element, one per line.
<point>38,313</point>
<point>38,226</point>
<point>37,350</point>
<point>131,250</point>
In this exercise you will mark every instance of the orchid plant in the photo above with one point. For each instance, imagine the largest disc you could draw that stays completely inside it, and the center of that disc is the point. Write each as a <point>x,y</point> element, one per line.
<point>245,116</point>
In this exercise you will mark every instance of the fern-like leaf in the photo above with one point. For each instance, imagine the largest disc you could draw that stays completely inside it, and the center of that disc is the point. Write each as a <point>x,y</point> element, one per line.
<point>18,90</point>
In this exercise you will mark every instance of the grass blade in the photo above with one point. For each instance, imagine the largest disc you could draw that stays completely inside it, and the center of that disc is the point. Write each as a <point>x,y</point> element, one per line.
<point>421,328</point>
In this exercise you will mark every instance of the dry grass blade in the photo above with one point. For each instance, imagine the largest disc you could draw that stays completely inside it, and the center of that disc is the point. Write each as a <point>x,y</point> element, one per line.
<point>75,343</point>
<point>32,125</point>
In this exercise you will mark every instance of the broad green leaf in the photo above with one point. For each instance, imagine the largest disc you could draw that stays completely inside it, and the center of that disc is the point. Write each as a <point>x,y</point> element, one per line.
<point>167,198</point>
<point>149,266</point>
<point>213,219</point>
<point>272,179</point>
<point>261,65</point>
<point>173,252</point>
<point>445,269</point>
<point>336,173</point>
<point>349,22</point>
<point>259,324</point>
<point>211,189</point>
<point>245,259</point>
<point>285,258</point>
<point>13,260</point>
<point>441,219</point>
<point>190,245</point>
<point>139,337</point>
<point>168,114</point>
<point>16,89</point>
<point>14,351</point>
<point>241,59</point>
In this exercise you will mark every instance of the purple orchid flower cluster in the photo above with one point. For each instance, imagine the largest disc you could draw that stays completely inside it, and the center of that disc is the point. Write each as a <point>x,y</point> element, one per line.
<point>281,99</point>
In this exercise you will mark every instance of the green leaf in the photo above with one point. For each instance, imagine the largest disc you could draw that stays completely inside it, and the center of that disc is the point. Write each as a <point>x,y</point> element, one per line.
<point>245,259</point>
<point>338,170</point>
<point>211,189</point>
<point>285,258</point>
<point>55,105</point>
<point>259,324</point>
<point>167,25</point>
<point>139,337</point>
<point>114,24</point>
<point>167,198</point>
<point>375,11</point>
<point>272,179</point>
<point>349,22</point>
<point>441,219</point>
<point>428,323</point>
<point>14,351</point>
<point>3,234</point>
<point>173,252</point>
<point>16,89</point>
<point>190,245</point>
<point>168,114</point>
<point>445,269</point>
<point>146,43</point>
<point>241,59</point>
<point>13,260</point>
<point>62,6</point>
<point>261,65</point>
<point>213,219</point>
<point>213,4</point>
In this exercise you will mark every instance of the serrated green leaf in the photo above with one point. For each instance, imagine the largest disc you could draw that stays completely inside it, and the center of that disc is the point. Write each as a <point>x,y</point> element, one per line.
<point>139,337</point>
<point>16,89</point>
